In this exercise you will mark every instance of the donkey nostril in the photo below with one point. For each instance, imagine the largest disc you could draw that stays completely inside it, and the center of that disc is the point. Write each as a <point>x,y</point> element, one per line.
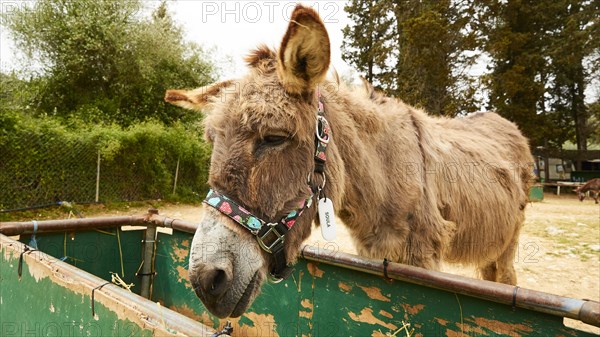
<point>217,282</point>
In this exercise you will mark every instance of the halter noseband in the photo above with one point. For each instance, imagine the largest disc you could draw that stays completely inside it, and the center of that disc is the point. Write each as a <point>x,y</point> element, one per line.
<point>271,235</point>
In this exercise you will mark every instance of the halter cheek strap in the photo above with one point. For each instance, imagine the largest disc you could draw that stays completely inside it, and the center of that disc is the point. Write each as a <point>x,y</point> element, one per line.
<point>271,235</point>
<point>322,136</point>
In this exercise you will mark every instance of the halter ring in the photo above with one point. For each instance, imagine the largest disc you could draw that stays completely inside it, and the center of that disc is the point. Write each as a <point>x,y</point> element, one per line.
<point>274,280</point>
<point>324,181</point>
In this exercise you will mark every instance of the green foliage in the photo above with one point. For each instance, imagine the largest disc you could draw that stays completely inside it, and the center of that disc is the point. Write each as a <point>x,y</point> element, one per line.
<point>45,161</point>
<point>415,50</point>
<point>541,54</point>
<point>104,61</point>
<point>515,40</point>
<point>436,51</point>
<point>544,55</point>
<point>16,93</point>
<point>367,43</point>
<point>572,45</point>
<point>105,66</point>
<point>594,122</point>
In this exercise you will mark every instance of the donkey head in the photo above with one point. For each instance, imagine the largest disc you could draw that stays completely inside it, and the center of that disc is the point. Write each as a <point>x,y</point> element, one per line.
<point>580,193</point>
<point>264,174</point>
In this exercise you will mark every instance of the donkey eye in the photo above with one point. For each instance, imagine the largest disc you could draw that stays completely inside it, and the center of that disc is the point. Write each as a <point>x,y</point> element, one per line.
<point>268,142</point>
<point>274,140</point>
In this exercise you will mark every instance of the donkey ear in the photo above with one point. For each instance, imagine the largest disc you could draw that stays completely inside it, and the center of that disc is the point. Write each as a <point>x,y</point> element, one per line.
<point>304,52</point>
<point>195,99</point>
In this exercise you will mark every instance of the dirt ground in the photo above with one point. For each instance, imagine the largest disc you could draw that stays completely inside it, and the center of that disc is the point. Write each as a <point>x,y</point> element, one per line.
<point>559,249</point>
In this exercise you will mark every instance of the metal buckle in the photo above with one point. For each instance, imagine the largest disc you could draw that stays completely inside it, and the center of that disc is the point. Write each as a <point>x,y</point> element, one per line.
<point>324,126</point>
<point>279,240</point>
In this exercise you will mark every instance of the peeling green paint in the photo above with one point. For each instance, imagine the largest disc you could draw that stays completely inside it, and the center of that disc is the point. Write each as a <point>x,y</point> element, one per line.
<point>318,300</point>
<point>35,306</point>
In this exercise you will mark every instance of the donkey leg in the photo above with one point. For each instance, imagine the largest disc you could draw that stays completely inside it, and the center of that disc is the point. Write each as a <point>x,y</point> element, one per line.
<point>427,261</point>
<point>489,271</point>
<point>424,250</point>
<point>505,264</point>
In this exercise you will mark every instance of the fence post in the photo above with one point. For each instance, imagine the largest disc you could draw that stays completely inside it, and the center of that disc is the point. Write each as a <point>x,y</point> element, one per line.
<point>98,178</point>
<point>176,175</point>
<point>149,250</point>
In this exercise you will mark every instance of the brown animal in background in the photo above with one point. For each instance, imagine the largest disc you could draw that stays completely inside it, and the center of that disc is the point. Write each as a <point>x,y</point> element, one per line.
<point>410,188</point>
<point>592,186</point>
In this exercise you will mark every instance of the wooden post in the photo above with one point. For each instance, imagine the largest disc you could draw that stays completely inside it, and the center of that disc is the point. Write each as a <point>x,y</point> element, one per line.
<point>176,175</point>
<point>98,179</point>
<point>547,168</point>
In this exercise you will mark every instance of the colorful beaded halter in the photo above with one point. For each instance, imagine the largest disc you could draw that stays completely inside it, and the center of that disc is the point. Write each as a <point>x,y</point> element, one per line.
<point>271,235</point>
<point>254,224</point>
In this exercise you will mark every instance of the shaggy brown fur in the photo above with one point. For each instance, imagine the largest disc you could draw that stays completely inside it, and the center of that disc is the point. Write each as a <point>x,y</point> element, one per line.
<point>411,188</point>
<point>592,186</point>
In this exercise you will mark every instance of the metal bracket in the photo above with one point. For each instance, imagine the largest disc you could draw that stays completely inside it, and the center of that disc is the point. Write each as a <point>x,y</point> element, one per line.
<point>227,330</point>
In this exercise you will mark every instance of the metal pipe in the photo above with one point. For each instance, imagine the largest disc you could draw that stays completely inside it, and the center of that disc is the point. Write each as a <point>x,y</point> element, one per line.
<point>149,249</point>
<point>47,226</point>
<point>180,225</point>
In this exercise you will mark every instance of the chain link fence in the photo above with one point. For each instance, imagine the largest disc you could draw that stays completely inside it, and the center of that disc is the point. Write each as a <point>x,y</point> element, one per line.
<point>43,166</point>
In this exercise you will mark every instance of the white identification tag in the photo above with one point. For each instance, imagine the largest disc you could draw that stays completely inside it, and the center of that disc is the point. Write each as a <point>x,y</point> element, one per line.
<point>327,219</point>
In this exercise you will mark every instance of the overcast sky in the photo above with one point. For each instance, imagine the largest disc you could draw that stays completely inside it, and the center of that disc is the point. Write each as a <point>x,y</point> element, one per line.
<point>232,28</point>
<point>236,27</point>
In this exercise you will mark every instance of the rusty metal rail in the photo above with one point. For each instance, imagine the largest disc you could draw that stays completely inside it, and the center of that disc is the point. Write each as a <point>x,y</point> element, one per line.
<point>49,226</point>
<point>586,311</point>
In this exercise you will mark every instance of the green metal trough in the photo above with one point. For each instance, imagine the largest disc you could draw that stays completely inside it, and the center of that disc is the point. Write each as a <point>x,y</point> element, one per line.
<point>63,289</point>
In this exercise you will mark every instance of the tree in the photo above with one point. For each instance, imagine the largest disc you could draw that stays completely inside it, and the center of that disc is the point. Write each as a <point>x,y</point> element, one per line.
<point>104,56</point>
<point>415,50</point>
<point>15,93</point>
<point>573,44</point>
<point>544,56</point>
<point>515,38</point>
<point>594,121</point>
<point>367,43</point>
<point>433,46</point>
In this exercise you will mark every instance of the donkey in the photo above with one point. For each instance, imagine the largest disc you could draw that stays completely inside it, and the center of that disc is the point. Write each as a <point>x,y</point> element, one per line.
<point>592,186</point>
<point>410,188</point>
